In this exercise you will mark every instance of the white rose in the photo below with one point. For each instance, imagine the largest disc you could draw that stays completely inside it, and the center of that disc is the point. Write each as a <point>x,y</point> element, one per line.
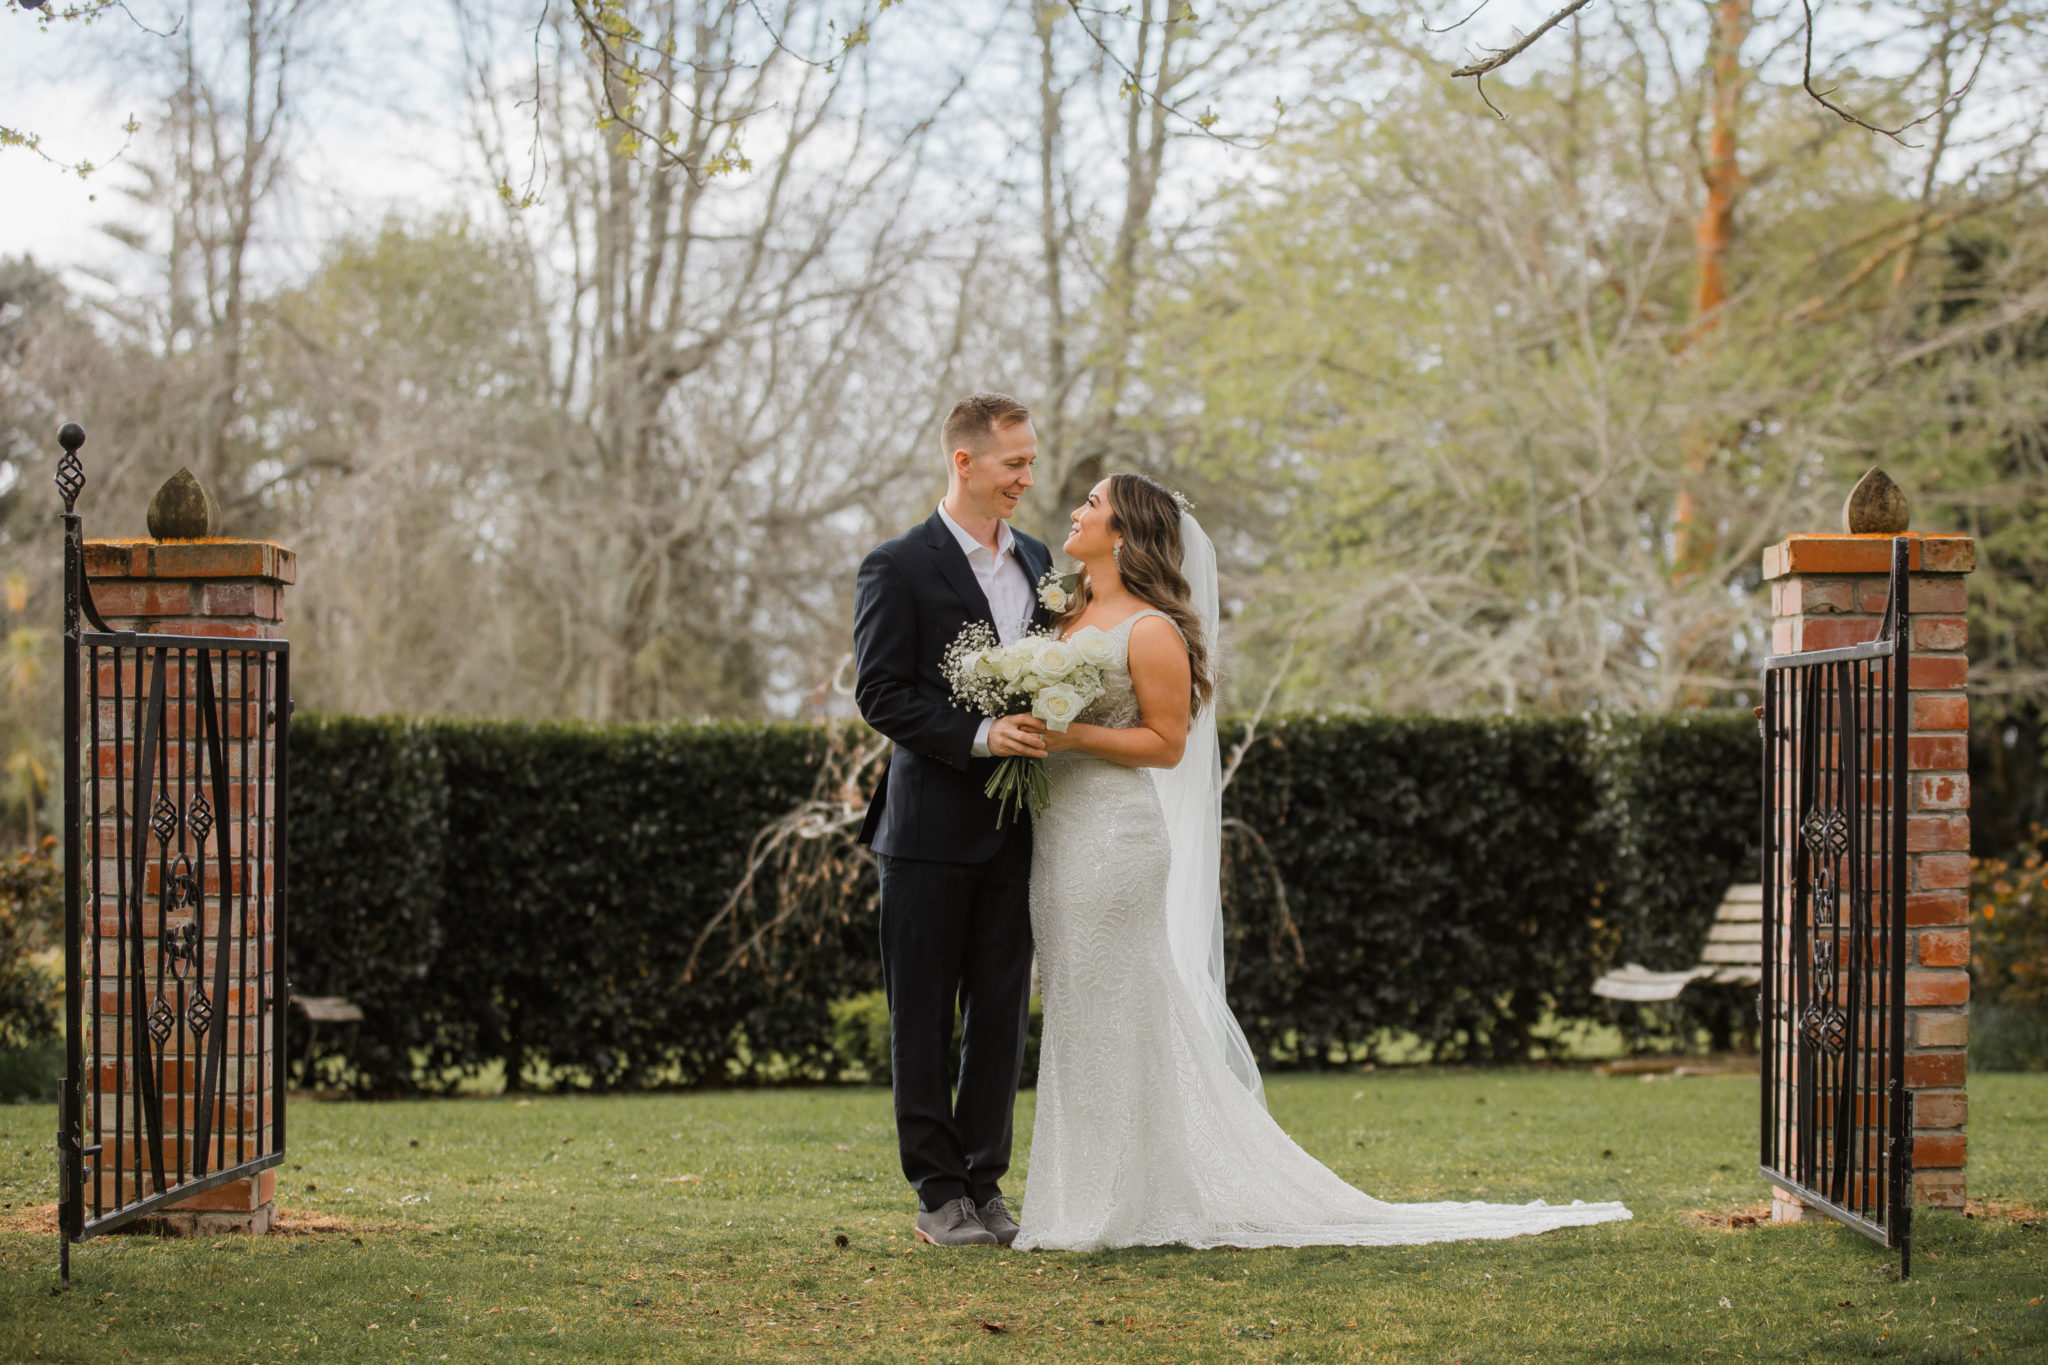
<point>1093,646</point>
<point>1057,705</point>
<point>1054,597</point>
<point>1012,663</point>
<point>1056,658</point>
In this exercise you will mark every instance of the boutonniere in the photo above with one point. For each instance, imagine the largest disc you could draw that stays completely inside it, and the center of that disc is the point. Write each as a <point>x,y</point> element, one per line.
<point>1056,590</point>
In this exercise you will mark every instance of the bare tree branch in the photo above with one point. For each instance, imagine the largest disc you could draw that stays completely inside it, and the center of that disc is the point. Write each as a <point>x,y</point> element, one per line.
<point>1507,54</point>
<point>1953,97</point>
<point>1203,123</point>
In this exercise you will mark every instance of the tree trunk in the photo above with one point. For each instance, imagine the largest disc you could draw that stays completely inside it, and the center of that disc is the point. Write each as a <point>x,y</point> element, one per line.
<point>1051,423</point>
<point>1713,234</point>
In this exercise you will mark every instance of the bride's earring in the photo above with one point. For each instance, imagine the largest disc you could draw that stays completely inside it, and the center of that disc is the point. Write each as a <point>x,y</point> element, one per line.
<point>1116,552</point>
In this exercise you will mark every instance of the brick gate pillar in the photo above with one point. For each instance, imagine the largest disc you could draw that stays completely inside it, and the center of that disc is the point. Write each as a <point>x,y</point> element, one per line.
<point>1828,591</point>
<point>232,589</point>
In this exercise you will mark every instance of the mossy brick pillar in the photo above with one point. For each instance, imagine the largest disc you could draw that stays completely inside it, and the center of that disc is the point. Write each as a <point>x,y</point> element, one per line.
<point>1828,591</point>
<point>231,588</point>
<point>226,589</point>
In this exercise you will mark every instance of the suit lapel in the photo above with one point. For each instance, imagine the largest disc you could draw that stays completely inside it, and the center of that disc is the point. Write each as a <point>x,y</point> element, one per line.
<point>1036,560</point>
<point>955,569</point>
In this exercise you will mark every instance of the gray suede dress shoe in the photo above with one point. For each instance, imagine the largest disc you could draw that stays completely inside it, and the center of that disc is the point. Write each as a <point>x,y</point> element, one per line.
<point>953,1224</point>
<point>995,1216</point>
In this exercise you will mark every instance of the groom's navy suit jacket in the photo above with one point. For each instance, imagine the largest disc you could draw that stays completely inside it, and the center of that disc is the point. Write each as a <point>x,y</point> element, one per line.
<point>914,595</point>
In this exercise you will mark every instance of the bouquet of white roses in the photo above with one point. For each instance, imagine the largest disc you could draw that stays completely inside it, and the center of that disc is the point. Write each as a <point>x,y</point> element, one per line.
<point>1051,678</point>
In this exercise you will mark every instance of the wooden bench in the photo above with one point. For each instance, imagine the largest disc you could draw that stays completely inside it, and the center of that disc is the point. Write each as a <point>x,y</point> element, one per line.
<point>324,1009</point>
<point>1733,955</point>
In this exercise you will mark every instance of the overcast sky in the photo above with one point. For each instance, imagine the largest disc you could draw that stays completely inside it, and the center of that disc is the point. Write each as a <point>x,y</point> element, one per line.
<point>381,127</point>
<point>383,122</point>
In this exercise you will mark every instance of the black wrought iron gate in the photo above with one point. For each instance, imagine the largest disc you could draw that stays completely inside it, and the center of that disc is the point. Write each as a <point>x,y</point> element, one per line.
<point>1837,1118</point>
<point>174,907</point>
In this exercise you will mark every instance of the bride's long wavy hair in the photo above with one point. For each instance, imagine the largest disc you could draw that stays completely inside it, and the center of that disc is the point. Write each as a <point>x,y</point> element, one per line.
<point>1145,513</point>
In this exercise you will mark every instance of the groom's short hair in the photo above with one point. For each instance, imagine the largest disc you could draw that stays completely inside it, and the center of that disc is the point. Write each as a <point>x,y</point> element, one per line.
<point>979,416</point>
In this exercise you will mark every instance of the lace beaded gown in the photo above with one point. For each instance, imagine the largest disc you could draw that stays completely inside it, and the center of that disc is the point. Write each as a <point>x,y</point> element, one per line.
<point>1144,1136</point>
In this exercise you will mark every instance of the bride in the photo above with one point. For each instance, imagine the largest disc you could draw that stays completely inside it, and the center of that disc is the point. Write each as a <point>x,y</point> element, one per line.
<point>1152,1127</point>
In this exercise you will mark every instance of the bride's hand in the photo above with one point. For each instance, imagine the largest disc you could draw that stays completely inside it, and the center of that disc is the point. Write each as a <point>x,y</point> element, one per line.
<point>1057,741</point>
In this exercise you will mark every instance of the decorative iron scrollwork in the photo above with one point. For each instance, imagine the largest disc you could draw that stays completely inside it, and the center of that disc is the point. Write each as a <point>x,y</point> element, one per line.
<point>161,1020</point>
<point>181,949</point>
<point>1827,838</point>
<point>199,818</point>
<point>181,889</point>
<point>1822,1022</point>
<point>199,1013</point>
<point>70,470</point>
<point>1827,833</point>
<point>163,818</point>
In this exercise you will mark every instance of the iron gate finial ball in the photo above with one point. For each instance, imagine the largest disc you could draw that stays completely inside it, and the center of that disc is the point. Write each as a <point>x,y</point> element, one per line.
<point>70,477</point>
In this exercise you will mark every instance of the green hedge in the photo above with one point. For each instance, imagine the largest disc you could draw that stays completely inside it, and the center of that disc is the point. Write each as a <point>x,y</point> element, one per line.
<point>1681,815</point>
<point>369,817</point>
<point>1439,873</point>
<point>527,895</point>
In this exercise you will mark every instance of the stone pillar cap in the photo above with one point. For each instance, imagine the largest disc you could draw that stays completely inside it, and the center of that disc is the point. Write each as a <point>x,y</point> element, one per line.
<point>1841,552</point>
<point>217,557</point>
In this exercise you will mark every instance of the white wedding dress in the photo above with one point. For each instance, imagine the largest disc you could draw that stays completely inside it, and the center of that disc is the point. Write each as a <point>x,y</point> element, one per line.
<point>1151,1129</point>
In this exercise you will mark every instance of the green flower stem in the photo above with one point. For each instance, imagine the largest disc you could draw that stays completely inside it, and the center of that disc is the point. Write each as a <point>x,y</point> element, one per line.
<point>1015,781</point>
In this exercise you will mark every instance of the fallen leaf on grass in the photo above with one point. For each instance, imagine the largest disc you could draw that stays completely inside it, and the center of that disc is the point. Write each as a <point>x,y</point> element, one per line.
<point>2004,1210</point>
<point>1730,1220</point>
<point>38,1218</point>
<point>995,1326</point>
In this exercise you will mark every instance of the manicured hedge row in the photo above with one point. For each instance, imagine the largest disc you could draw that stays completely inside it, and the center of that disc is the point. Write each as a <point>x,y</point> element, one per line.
<point>1681,810</point>
<point>1460,880</point>
<point>369,818</point>
<point>1440,873</point>
<point>528,894</point>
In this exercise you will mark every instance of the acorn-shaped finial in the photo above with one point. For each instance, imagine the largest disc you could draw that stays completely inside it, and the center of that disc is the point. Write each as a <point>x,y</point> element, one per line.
<point>183,510</point>
<point>1876,506</point>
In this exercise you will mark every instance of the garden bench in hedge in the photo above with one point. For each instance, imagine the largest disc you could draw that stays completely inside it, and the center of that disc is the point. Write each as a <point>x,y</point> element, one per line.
<point>1733,955</point>
<point>326,1009</point>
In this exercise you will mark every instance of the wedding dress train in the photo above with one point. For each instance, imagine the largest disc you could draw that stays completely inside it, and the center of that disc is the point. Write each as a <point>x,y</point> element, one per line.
<point>1150,1128</point>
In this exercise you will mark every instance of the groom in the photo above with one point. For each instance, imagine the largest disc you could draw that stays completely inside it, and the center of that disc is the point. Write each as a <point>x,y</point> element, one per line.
<point>956,922</point>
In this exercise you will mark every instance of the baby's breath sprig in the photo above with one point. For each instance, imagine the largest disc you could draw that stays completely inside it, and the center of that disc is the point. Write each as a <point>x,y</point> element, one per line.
<point>974,690</point>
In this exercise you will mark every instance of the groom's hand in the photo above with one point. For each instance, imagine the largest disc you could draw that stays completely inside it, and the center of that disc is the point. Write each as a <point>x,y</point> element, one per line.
<point>1020,736</point>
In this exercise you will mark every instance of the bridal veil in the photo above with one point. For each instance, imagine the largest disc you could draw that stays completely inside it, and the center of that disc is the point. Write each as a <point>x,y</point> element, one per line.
<point>1191,794</point>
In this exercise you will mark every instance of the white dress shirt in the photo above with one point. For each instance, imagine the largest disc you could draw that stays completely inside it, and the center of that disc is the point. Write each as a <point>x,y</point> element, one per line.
<point>1004,582</point>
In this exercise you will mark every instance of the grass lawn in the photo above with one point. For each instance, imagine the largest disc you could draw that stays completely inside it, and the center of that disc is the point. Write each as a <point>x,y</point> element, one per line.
<point>706,1227</point>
